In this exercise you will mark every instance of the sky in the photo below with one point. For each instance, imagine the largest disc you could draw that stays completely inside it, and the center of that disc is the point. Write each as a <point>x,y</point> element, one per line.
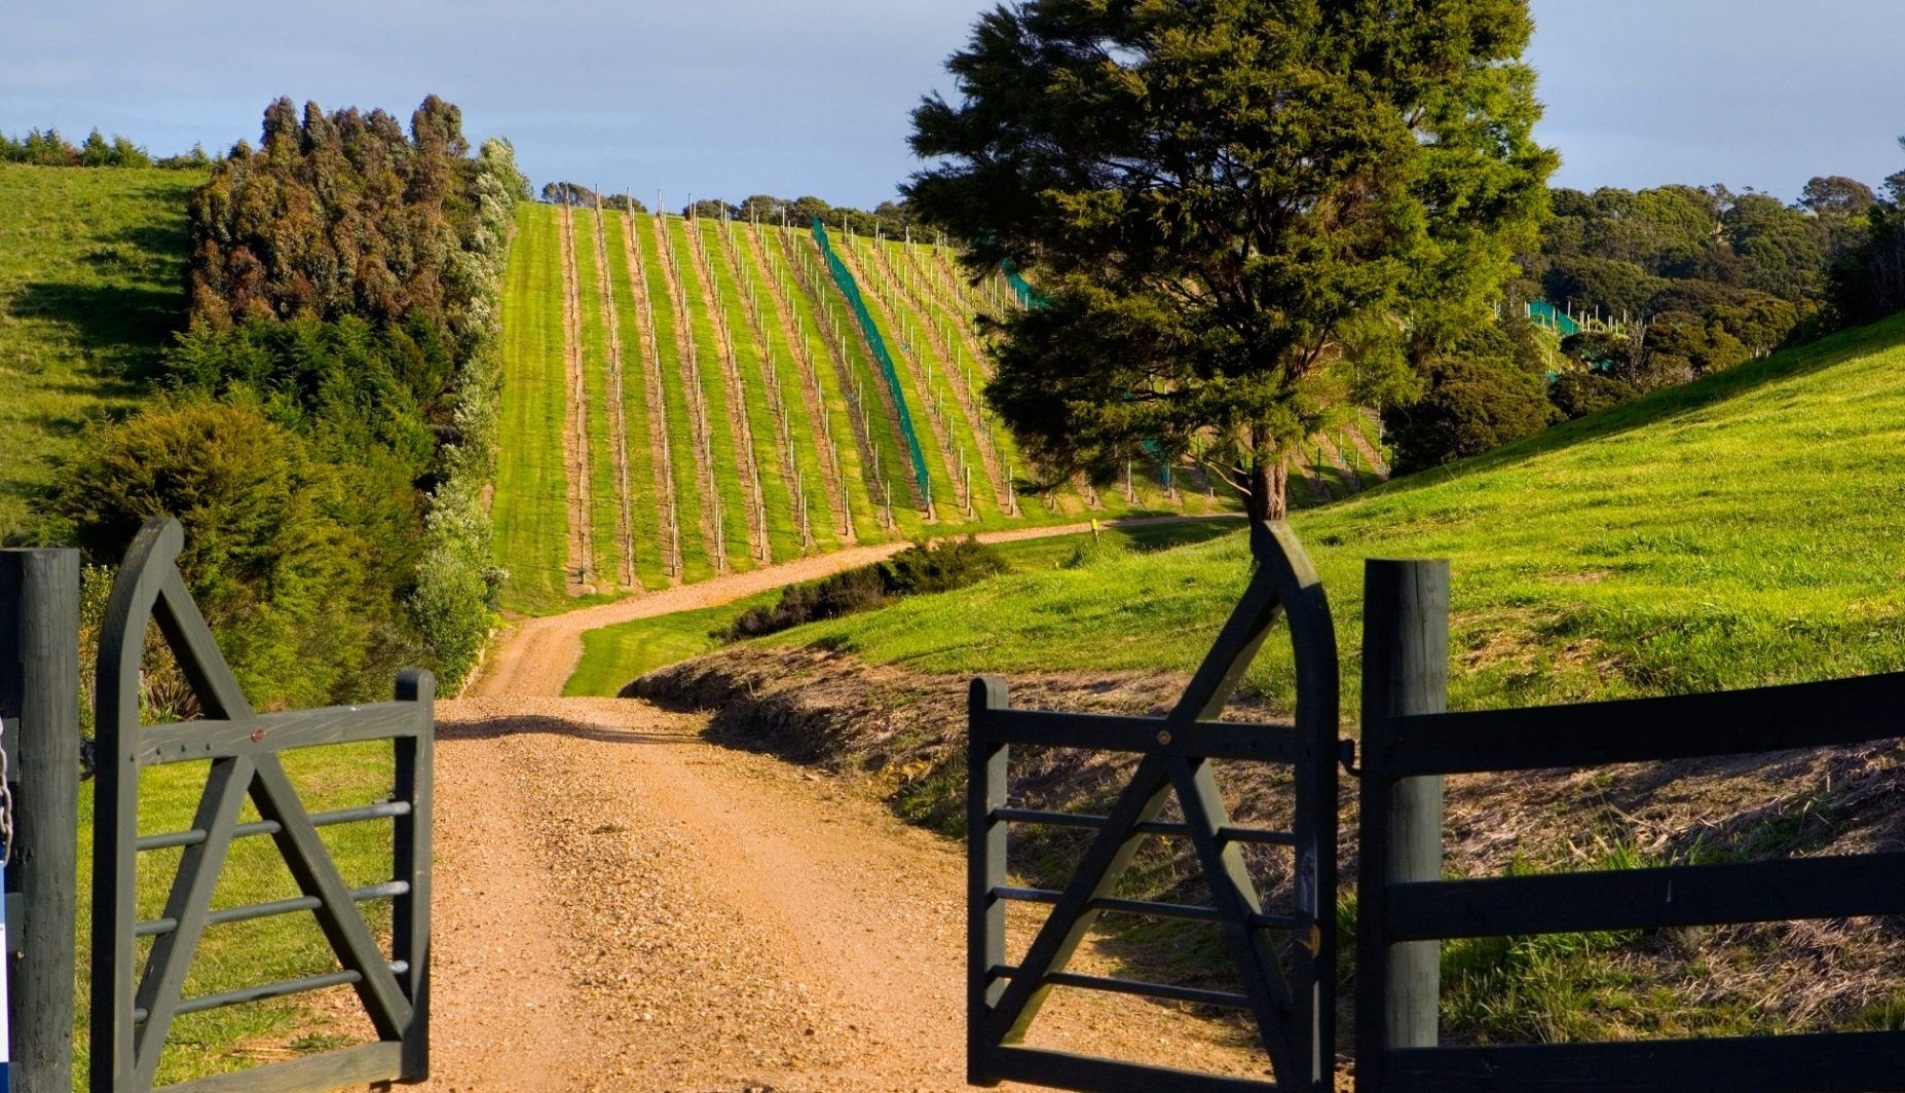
<point>732,97</point>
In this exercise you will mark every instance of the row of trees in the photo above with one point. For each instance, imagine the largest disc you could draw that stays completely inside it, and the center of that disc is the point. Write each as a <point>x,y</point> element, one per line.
<point>889,217</point>
<point>327,422</point>
<point>47,148</point>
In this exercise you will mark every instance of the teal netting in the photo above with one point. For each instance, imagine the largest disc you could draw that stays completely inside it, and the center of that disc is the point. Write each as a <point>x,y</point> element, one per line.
<point>1552,317</point>
<point>844,280</point>
<point>1028,296</point>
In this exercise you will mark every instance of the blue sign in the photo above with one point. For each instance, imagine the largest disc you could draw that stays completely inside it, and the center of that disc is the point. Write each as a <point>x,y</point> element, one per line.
<point>6,1082</point>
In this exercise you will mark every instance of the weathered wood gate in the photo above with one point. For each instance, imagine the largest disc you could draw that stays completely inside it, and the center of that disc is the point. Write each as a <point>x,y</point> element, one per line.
<point>1286,956</point>
<point>134,1002</point>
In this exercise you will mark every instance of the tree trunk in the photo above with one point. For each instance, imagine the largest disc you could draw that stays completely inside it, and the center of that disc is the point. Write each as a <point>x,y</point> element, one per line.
<point>1269,494</point>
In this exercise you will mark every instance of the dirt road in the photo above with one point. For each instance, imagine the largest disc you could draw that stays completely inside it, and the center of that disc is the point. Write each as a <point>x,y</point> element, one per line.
<point>538,655</point>
<point>622,905</point>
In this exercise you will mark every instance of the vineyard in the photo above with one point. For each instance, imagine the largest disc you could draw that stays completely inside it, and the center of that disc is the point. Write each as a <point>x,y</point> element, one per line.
<point>686,398</point>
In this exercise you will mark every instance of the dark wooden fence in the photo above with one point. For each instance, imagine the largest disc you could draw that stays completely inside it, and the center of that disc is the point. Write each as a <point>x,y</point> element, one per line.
<point>1285,956</point>
<point>39,704</point>
<point>1405,906</point>
<point>134,1002</point>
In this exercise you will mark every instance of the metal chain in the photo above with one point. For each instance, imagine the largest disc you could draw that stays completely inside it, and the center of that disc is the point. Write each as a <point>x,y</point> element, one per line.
<point>6,806</point>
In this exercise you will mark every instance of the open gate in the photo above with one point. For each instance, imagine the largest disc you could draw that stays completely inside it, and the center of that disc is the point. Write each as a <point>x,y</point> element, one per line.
<point>134,1002</point>
<point>1286,956</point>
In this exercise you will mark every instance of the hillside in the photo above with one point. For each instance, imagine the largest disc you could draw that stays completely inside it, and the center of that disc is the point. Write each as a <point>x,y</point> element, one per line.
<point>92,267</point>
<point>1741,530</point>
<point>689,398</point>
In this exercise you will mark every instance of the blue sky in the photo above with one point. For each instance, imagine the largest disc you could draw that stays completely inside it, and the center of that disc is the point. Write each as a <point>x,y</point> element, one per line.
<point>731,97</point>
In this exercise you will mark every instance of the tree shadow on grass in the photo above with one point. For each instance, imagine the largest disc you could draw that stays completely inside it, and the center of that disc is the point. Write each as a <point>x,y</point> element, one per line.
<point>122,328</point>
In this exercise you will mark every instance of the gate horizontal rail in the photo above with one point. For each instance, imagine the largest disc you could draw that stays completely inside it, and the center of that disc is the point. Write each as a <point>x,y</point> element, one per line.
<point>134,1004</point>
<point>1285,959</point>
<point>1408,745</point>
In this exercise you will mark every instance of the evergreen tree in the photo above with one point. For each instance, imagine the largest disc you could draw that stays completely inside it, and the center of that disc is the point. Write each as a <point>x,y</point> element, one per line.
<point>1241,213</point>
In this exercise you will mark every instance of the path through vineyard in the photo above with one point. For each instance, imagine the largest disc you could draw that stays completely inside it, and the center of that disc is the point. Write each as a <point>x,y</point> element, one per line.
<point>622,905</point>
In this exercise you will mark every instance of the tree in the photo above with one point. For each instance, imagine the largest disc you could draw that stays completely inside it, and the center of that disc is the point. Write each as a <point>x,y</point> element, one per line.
<point>1491,389</point>
<point>1240,213</point>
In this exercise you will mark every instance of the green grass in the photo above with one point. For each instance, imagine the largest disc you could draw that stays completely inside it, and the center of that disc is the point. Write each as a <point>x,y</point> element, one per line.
<point>695,561</point>
<point>92,270</point>
<point>854,472</point>
<point>783,526</point>
<point>614,655</point>
<point>645,502</point>
<point>1747,529</point>
<point>804,431</point>
<point>604,501</point>
<point>264,950</point>
<point>531,506</point>
<point>726,463</point>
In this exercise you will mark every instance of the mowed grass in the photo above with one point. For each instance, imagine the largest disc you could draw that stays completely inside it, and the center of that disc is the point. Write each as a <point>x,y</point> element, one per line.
<point>645,499</point>
<point>614,655</point>
<point>696,563</point>
<point>855,474</point>
<point>531,501</point>
<point>92,287</point>
<point>1748,529</point>
<point>263,951</point>
<point>727,448</point>
<point>777,491</point>
<point>804,429</point>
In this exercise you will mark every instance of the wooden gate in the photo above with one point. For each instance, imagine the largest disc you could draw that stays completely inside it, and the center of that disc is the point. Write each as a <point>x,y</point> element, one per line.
<point>1406,907</point>
<point>134,1004</point>
<point>1285,955</point>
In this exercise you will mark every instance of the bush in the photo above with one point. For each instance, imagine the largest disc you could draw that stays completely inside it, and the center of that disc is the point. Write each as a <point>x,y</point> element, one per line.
<point>918,570</point>
<point>1578,394</point>
<point>276,573</point>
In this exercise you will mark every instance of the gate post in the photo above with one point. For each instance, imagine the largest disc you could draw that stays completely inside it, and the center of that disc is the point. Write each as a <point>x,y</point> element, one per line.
<point>1405,671</point>
<point>39,698</point>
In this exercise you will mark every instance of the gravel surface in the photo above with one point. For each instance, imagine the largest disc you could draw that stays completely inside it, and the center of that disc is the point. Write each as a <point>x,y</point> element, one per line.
<point>625,906</point>
<point>538,655</point>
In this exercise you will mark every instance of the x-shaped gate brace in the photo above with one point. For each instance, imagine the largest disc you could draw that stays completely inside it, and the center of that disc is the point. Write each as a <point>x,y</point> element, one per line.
<point>133,1009</point>
<point>1285,958</point>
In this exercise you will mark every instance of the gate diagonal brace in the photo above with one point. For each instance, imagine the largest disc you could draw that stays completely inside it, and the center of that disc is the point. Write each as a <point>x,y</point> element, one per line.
<point>1289,988</point>
<point>133,1009</point>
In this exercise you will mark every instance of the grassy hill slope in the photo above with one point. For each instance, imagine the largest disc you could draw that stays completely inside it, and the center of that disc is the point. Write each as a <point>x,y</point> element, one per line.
<point>92,281</point>
<point>1743,530</point>
<point>775,424</point>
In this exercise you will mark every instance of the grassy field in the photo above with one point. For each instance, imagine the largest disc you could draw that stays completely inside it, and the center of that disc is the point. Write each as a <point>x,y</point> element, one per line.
<point>1743,530</point>
<point>531,506</point>
<point>92,273</point>
<point>614,655</point>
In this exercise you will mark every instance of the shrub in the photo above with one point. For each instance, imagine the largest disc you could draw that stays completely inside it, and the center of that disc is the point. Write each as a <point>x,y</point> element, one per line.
<point>918,570</point>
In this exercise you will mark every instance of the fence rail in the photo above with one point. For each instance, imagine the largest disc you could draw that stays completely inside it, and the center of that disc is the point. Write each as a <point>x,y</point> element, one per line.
<point>1285,958</point>
<point>135,1002</point>
<point>1406,907</point>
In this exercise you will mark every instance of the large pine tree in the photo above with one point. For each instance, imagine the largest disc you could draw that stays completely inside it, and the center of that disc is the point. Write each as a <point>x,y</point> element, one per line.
<point>1242,214</point>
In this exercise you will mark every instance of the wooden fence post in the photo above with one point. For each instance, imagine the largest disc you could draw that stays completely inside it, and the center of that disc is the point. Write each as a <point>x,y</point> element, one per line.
<point>1405,671</point>
<point>39,698</point>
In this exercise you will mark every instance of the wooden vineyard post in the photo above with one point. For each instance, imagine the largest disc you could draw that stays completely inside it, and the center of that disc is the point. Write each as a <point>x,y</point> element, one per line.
<point>1405,671</point>
<point>39,699</point>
